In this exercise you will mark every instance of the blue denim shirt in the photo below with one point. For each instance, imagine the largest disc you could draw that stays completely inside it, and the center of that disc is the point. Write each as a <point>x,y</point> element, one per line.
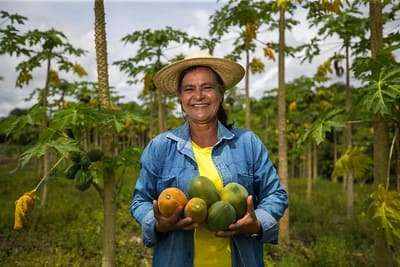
<point>239,156</point>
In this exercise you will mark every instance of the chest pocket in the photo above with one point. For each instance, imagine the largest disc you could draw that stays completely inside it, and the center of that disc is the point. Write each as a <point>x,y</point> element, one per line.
<point>166,181</point>
<point>175,177</point>
<point>247,181</point>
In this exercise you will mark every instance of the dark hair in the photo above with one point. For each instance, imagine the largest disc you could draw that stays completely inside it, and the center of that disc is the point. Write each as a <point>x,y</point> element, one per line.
<point>221,115</point>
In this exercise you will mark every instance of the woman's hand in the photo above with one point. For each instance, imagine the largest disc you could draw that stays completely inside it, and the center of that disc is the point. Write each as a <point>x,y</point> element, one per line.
<point>246,225</point>
<point>172,223</point>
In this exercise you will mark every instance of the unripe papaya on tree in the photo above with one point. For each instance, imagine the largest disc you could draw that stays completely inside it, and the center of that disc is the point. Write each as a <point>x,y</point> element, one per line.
<point>72,170</point>
<point>95,155</point>
<point>83,180</point>
<point>75,156</point>
<point>85,161</point>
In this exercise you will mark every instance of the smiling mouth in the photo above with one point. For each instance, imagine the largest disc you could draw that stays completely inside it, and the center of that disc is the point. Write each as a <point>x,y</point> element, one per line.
<point>199,105</point>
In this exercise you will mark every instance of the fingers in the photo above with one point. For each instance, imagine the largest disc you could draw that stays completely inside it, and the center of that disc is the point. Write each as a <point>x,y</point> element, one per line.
<point>250,204</point>
<point>155,209</point>
<point>184,222</point>
<point>225,233</point>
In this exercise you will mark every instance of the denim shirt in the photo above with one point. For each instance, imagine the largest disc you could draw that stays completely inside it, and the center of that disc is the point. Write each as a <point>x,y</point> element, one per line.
<point>241,157</point>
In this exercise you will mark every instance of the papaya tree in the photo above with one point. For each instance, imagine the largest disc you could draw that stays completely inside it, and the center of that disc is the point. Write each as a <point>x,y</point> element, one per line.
<point>379,72</point>
<point>11,39</point>
<point>50,48</point>
<point>345,21</point>
<point>247,16</point>
<point>150,58</point>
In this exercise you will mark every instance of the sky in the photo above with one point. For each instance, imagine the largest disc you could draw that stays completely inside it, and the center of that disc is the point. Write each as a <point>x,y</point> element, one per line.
<point>76,20</point>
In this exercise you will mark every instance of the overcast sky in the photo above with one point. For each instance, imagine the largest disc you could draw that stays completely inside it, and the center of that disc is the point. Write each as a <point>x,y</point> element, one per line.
<point>76,20</point>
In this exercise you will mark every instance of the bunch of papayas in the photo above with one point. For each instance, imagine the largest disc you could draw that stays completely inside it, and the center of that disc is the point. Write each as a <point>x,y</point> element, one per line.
<point>205,204</point>
<point>79,169</point>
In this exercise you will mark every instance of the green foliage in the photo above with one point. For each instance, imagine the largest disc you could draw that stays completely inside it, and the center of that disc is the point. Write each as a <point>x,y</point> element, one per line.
<point>51,45</point>
<point>62,145</point>
<point>384,210</point>
<point>354,161</point>
<point>325,123</point>
<point>152,46</point>
<point>383,93</point>
<point>11,40</point>
<point>16,125</point>
<point>68,231</point>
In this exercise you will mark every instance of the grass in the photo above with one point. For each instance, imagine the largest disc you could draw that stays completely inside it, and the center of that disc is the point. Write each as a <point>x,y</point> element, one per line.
<point>68,232</point>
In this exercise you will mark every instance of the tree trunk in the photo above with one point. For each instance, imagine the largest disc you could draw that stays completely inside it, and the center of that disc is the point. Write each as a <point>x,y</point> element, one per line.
<point>315,162</point>
<point>350,196</point>
<point>108,258</point>
<point>247,89</point>
<point>309,171</point>
<point>46,156</point>
<point>380,138</point>
<point>161,112</point>
<point>348,134</point>
<point>334,179</point>
<point>283,166</point>
<point>397,163</point>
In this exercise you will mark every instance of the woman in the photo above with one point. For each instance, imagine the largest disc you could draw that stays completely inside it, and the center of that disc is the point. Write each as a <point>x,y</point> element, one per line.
<point>206,145</point>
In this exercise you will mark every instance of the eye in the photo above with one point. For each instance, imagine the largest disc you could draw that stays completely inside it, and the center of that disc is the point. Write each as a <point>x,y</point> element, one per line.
<point>187,89</point>
<point>208,88</point>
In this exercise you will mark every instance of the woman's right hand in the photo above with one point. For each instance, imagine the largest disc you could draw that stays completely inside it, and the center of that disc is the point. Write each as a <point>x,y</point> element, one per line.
<point>172,223</point>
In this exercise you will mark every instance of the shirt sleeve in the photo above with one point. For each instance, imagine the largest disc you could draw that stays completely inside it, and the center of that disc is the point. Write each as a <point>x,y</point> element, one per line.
<point>272,198</point>
<point>144,193</point>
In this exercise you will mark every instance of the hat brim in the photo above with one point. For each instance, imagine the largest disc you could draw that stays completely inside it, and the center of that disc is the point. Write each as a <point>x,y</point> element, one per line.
<point>230,72</point>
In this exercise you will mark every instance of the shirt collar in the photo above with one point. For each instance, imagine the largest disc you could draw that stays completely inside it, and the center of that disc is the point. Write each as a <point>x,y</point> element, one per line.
<point>182,134</point>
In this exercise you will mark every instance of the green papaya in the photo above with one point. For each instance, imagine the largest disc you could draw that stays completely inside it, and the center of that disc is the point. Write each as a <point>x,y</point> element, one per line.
<point>75,156</point>
<point>83,180</point>
<point>72,170</point>
<point>221,214</point>
<point>204,188</point>
<point>95,155</point>
<point>85,161</point>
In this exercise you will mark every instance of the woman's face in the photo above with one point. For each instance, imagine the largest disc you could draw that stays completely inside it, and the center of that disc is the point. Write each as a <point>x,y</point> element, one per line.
<point>200,95</point>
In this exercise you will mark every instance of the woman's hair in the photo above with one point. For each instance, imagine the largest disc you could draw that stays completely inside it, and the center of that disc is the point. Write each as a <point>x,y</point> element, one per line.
<point>221,115</point>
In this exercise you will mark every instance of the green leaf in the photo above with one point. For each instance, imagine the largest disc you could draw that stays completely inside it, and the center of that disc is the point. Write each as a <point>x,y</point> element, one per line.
<point>385,212</point>
<point>326,122</point>
<point>62,145</point>
<point>354,161</point>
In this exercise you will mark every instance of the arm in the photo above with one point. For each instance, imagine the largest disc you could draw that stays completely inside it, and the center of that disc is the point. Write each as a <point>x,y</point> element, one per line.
<point>144,194</point>
<point>144,206</point>
<point>272,198</point>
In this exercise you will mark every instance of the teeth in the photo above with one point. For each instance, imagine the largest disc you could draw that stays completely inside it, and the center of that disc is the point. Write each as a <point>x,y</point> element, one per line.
<point>200,105</point>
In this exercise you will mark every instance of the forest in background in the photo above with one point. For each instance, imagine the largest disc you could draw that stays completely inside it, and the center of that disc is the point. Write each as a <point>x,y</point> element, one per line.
<point>335,144</point>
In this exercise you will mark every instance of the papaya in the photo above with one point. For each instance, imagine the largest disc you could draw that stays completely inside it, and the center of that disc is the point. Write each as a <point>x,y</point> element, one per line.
<point>221,214</point>
<point>75,156</point>
<point>236,195</point>
<point>95,155</point>
<point>72,170</point>
<point>170,199</point>
<point>196,209</point>
<point>85,161</point>
<point>204,188</point>
<point>83,180</point>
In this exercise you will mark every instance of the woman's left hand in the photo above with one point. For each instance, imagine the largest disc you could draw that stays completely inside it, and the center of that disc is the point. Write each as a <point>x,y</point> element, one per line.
<point>246,225</point>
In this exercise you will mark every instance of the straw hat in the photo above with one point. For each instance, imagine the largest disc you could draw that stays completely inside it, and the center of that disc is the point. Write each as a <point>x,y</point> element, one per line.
<point>230,72</point>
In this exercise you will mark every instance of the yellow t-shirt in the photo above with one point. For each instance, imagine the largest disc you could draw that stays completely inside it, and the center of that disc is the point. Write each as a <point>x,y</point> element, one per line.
<point>209,250</point>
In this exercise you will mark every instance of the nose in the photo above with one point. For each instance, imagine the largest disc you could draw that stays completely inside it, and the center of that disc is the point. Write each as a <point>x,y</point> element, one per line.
<point>198,94</point>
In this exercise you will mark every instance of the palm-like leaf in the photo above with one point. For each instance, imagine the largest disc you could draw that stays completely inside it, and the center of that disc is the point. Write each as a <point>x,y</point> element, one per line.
<point>385,211</point>
<point>328,120</point>
<point>383,92</point>
<point>354,162</point>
